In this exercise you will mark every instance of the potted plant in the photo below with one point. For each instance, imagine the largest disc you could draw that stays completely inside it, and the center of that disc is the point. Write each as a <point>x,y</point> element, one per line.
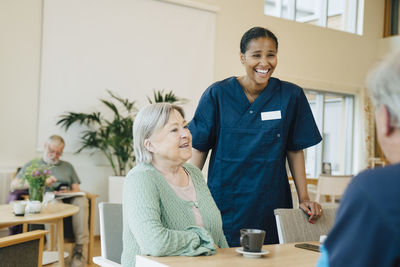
<point>113,137</point>
<point>159,97</point>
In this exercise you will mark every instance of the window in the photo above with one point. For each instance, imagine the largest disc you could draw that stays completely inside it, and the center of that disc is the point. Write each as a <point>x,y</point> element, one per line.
<point>392,18</point>
<point>344,15</point>
<point>333,114</point>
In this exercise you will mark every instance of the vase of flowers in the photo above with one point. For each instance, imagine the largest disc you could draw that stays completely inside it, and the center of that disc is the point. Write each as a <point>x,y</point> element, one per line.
<point>36,176</point>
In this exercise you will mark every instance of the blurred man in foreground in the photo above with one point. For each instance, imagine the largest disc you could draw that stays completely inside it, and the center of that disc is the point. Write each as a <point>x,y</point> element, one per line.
<point>366,231</point>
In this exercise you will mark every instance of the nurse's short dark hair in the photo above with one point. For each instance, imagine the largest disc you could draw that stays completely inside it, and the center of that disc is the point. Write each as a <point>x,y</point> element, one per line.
<point>255,33</point>
<point>150,119</point>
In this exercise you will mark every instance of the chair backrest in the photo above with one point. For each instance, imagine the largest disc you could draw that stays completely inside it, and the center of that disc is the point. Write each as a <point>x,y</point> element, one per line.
<point>332,185</point>
<point>21,249</point>
<point>293,225</point>
<point>111,231</point>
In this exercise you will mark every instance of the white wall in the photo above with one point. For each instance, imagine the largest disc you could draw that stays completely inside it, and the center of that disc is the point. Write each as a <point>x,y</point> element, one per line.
<point>20,27</point>
<point>315,58</point>
<point>124,46</point>
<point>389,44</point>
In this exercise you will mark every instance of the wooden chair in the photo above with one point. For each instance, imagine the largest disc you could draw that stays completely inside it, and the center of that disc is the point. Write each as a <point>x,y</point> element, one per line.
<point>332,186</point>
<point>311,188</point>
<point>374,162</point>
<point>68,234</point>
<point>92,211</point>
<point>22,249</point>
<point>293,225</point>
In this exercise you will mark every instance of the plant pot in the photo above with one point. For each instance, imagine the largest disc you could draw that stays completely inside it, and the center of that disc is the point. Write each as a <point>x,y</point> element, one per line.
<point>115,186</point>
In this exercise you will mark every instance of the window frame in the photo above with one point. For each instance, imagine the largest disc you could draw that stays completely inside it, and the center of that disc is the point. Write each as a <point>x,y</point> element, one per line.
<point>352,16</point>
<point>391,19</point>
<point>349,102</point>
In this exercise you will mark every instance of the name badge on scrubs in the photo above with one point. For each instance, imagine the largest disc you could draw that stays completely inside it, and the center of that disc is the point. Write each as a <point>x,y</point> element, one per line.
<point>271,115</point>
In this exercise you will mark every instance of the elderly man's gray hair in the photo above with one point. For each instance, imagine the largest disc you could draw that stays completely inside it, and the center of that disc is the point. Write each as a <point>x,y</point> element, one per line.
<point>383,83</point>
<point>149,120</point>
<point>56,139</point>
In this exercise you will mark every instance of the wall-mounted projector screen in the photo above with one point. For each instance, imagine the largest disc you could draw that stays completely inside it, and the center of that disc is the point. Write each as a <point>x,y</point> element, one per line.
<point>128,46</point>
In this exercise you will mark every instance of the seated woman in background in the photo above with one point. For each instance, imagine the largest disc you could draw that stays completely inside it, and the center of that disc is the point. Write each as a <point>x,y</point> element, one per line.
<point>167,207</point>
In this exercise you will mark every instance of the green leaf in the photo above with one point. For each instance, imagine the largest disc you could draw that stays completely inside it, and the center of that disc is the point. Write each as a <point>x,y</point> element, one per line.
<point>159,97</point>
<point>110,131</point>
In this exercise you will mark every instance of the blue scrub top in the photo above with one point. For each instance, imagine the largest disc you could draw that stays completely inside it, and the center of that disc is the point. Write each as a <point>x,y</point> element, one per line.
<point>247,174</point>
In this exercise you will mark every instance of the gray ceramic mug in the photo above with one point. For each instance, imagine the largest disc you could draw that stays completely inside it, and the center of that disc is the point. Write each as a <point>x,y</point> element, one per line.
<point>252,240</point>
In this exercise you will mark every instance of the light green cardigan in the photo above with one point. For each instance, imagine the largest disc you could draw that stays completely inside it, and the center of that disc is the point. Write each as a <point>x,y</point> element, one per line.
<point>157,222</point>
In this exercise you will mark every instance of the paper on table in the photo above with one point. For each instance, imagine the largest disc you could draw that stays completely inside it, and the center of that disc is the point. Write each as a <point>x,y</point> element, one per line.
<point>69,194</point>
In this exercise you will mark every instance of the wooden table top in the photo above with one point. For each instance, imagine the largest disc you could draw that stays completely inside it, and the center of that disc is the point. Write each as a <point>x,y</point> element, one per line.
<point>50,212</point>
<point>279,255</point>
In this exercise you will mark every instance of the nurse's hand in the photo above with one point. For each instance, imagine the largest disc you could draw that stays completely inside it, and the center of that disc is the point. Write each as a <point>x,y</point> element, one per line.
<point>313,209</point>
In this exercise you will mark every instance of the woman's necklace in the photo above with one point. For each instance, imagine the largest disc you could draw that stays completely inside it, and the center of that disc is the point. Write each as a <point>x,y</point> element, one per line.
<point>247,93</point>
<point>242,82</point>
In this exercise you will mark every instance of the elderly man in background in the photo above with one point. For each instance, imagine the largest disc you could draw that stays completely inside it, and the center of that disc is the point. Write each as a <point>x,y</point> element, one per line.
<point>64,179</point>
<point>366,231</point>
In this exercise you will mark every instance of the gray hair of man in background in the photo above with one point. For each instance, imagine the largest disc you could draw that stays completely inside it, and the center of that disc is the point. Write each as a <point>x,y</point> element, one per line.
<point>383,83</point>
<point>55,139</point>
<point>53,149</point>
<point>150,119</point>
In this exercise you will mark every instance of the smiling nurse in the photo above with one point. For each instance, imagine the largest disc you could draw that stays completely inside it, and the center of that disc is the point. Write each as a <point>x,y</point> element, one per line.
<point>252,124</point>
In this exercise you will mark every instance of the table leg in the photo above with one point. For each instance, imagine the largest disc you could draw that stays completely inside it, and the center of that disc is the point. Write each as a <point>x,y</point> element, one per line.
<point>60,241</point>
<point>24,227</point>
<point>52,233</point>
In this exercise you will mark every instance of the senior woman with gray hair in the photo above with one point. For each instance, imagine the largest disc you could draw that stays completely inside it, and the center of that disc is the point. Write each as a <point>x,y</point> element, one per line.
<point>366,231</point>
<point>167,207</point>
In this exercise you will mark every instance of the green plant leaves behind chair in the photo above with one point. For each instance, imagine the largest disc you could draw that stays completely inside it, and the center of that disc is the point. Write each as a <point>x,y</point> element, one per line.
<point>113,137</point>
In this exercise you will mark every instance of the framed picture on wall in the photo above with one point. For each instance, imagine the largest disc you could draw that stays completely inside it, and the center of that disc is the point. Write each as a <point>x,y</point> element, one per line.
<point>326,168</point>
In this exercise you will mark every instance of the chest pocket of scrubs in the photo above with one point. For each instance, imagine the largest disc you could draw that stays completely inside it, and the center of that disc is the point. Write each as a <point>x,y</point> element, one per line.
<point>238,144</point>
